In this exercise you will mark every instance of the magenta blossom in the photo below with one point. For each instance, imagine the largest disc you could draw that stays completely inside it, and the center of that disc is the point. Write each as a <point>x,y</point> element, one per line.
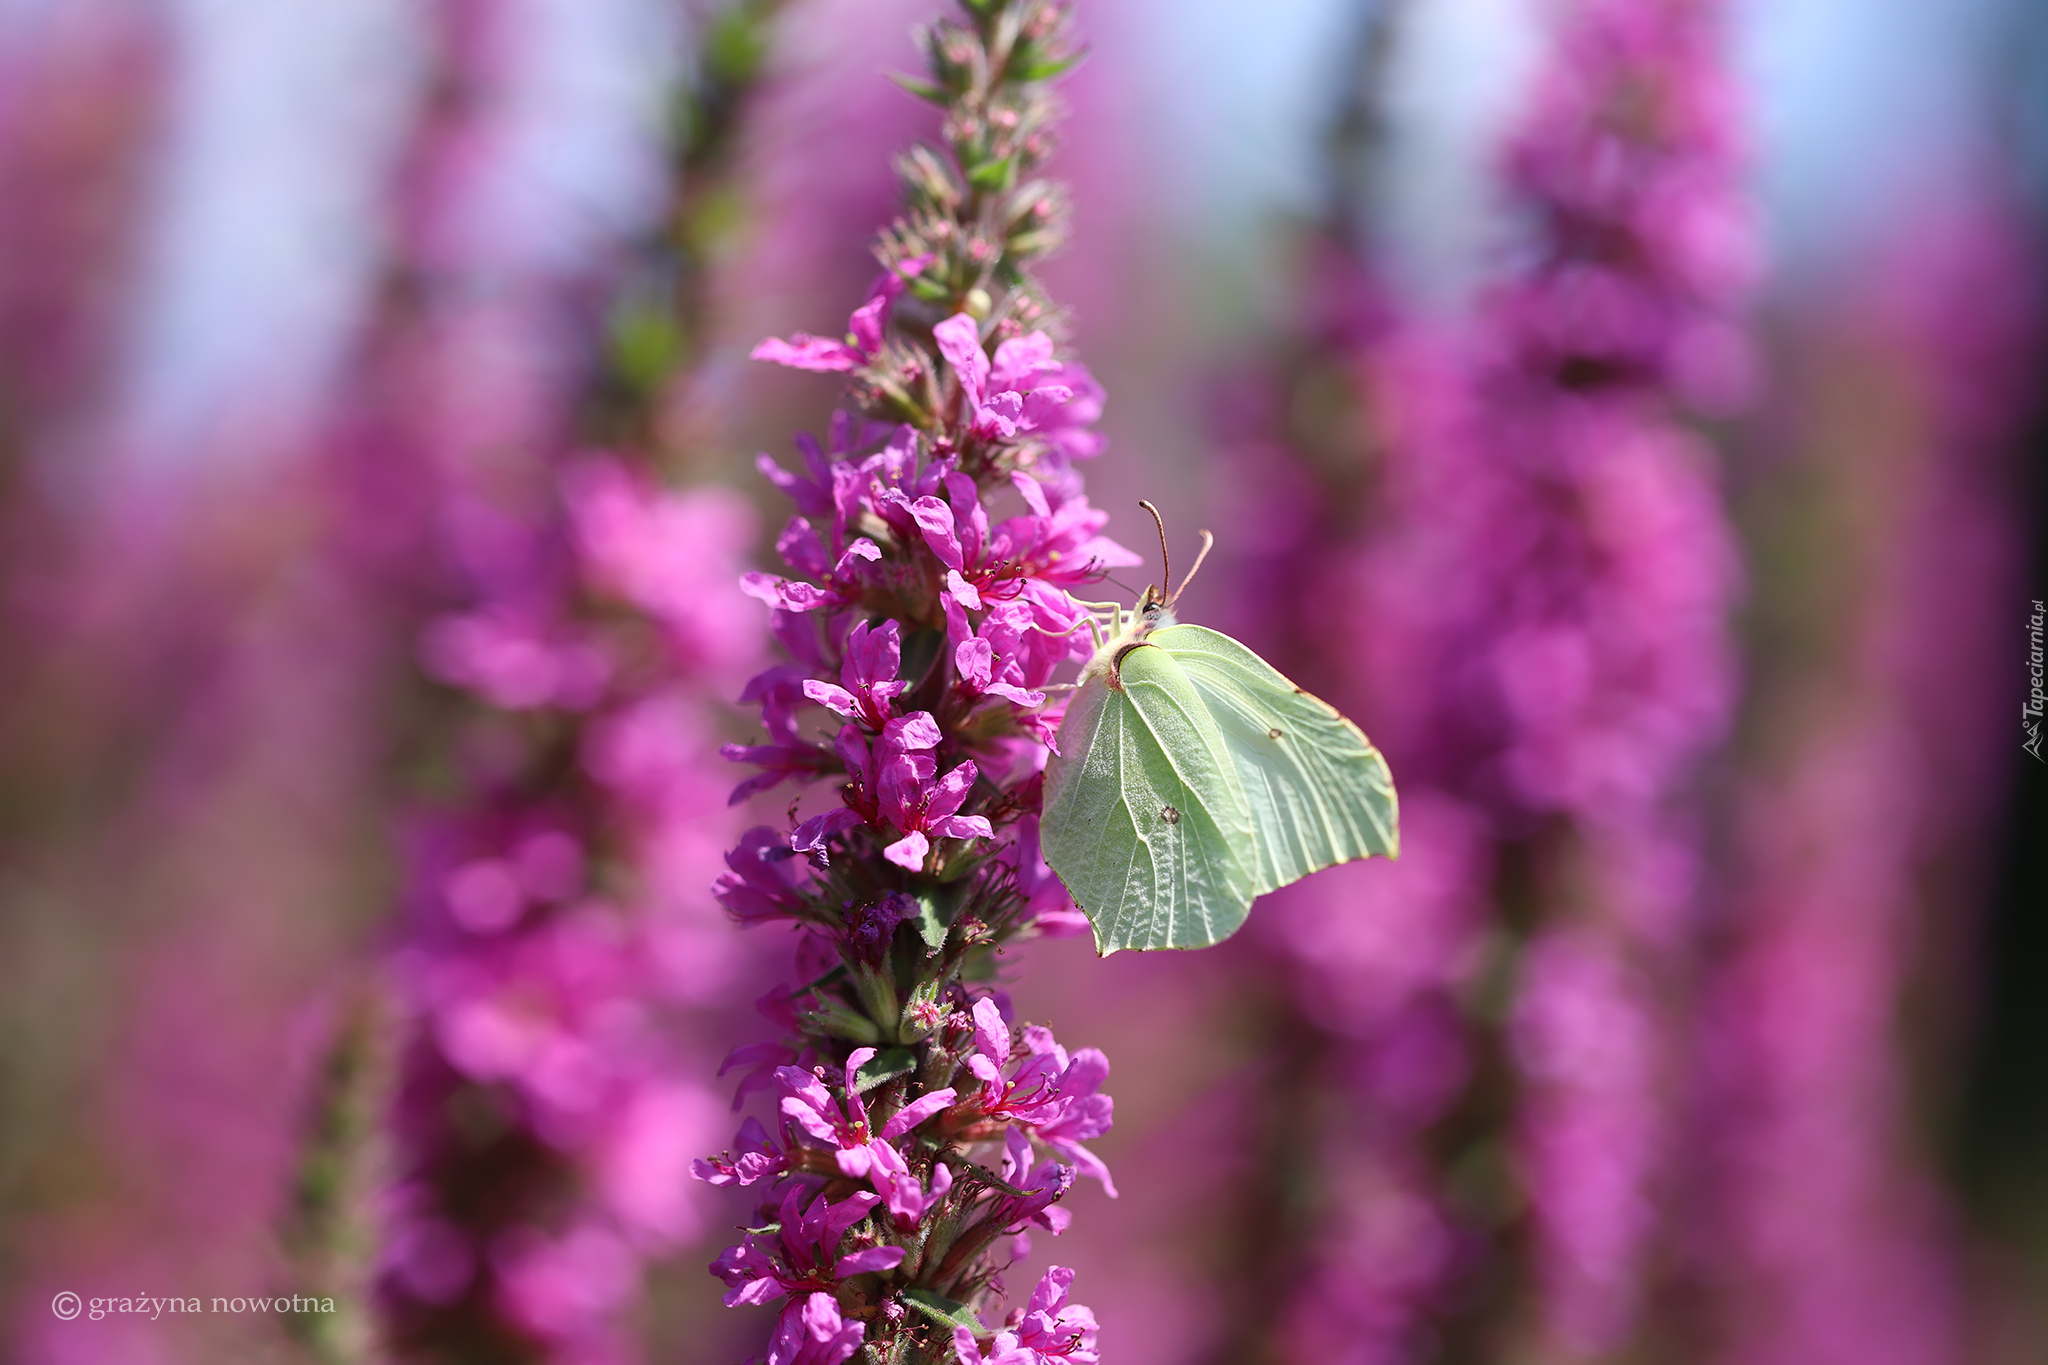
<point>1042,1186</point>
<point>1019,391</point>
<point>868,684</point>
<point>893,787</point>
<point>926,613</point>
<point>863,335</point>
<point>802,1254</point>
<point>1049,1330</point>
<point>760,1157</point>
<point>762,881</point>
<point>811,1107</point>
<point>1056,1096</point>
<point>814,1333</point>
<point>907,1200</point>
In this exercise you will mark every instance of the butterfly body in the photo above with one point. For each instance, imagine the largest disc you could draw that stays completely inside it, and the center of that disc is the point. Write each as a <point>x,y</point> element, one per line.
<point>1192,778</point>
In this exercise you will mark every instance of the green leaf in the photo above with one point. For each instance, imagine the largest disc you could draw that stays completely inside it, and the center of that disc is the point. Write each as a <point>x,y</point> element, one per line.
<point>923,89</point>
<point>831,1017</point>
<point>993,174</point>
<point>944,1311</point>
<point>1045,68</point>
<point>883,1068</point>
<point>935,908</point>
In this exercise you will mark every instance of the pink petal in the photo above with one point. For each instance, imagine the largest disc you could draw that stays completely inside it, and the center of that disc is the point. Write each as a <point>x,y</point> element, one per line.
<point>949,791</point>
<point>935,519</point>
<point>809,1119</point>
<point>960,343</point>
<point>911,1115</point>
<point>862,548</point>
<point>991,1034</point>
<point>861,1262</point>
<point>1020,359</point>
<point>811,835</point>
<point>806,352</point>
<point>1033,491</point>
<point>974,661</point>
<point>1015,695</point>
<point>915,731</point>
<point>908,852</point>
<point>837,698</point>
<point>961,591</point>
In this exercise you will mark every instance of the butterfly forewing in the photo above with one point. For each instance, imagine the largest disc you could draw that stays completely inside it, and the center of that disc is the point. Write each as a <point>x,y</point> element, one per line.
<point>1145,817</point>
<point>1318,791</point>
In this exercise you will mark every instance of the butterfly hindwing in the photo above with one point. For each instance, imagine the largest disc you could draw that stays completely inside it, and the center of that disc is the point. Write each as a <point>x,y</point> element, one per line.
<point>1145,818</point>
<point>1317,790</point>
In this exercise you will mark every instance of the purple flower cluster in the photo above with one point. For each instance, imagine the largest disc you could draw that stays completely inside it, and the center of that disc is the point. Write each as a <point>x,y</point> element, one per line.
<point>1611,656</point>
<point>536,979</point>
<point>1534,626</point>
<point>1823,1235</point>
<point>937,535</point>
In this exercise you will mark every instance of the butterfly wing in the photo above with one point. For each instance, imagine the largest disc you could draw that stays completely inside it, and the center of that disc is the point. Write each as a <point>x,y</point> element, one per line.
<point>1318,791</point>
<point>1145,816</point>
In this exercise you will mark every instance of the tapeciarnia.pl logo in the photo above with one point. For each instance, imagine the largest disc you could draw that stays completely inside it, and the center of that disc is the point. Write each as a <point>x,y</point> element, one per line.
<point>2030,714</point>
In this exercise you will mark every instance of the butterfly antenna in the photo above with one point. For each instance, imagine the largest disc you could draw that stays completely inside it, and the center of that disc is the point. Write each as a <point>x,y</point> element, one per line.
<point>1208,543</point>
<point>1165,559</point>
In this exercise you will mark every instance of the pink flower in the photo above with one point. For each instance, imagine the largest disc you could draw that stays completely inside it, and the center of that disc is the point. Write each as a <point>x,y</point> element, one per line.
<point>1056,1096</point>
<point>1021,391</point>
<point>907,1200</point>
<point>814,1333</point>
<point>894,787</point>
<point>1049,1331</point>
<point>802,1255</point>
<point>762,883</point>
<point>863,335</point>
<point>844,1126</point>
<point>869,686</point>
<point>760,1157</point>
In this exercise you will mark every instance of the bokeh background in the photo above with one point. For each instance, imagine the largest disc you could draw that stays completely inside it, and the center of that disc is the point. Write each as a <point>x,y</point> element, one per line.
<point>301,307</point>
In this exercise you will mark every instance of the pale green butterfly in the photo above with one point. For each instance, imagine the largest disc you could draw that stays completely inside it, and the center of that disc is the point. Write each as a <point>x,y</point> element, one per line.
<point>1192,777</point>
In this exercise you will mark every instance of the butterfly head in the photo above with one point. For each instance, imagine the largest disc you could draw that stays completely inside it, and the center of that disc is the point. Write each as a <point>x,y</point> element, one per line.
<point>1155,608</point>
